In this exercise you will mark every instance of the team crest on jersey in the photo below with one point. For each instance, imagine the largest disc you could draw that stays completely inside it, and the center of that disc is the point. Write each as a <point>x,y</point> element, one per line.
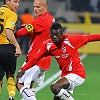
<point>12,23</point>
<point>64,49</point>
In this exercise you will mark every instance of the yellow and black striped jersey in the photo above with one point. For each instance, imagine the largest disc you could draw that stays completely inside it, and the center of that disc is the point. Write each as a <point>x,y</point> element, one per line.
<point>8,19</point>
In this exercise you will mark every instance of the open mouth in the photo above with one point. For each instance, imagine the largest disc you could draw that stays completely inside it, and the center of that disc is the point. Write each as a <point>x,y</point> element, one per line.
<point>55,40</point>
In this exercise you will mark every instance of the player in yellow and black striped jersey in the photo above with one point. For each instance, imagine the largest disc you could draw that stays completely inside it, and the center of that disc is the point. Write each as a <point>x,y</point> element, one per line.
<point>9,47</point>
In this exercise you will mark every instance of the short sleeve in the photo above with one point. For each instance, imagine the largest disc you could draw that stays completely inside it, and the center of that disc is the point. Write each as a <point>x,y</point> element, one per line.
<point>11,21</point>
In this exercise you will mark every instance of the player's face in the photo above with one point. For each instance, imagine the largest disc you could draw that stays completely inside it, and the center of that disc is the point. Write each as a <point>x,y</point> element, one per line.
<point>13,4</point>
<point>56,36</point>
<point>39,7</point>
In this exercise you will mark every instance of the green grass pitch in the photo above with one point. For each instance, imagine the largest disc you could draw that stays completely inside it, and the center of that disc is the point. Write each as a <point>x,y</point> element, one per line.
<point>89,90</point>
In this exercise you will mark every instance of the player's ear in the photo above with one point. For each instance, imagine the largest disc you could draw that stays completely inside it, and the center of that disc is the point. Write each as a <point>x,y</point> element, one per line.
<point>7,1</point>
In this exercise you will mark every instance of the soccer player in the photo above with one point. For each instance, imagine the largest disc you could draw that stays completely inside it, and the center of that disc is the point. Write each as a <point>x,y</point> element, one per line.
<point>38,31</point>
<point>64,49</point>
<point>9,47</point>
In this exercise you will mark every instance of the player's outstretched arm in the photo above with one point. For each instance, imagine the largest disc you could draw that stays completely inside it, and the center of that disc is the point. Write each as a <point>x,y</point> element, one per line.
<point>42,53</point>
<point>93,37</point>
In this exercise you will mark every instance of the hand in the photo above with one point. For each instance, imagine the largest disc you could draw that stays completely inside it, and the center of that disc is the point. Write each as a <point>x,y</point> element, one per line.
<point>23,25</point>
<point>20,74</point>
<point>18,52</point>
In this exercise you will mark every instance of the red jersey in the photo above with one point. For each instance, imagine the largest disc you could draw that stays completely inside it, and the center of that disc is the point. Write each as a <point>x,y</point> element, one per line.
<point>65,53</point>
<point>40,27</point>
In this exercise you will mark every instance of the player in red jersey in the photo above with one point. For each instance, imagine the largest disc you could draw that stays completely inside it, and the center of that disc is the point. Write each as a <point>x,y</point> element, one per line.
<point>38,31</point>
<point>64,49</point>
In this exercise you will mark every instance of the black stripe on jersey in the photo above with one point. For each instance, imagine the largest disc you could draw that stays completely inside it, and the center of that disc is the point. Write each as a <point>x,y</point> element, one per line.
<point>9,29</point>
<point>5,6</point>
<point>1,20</point>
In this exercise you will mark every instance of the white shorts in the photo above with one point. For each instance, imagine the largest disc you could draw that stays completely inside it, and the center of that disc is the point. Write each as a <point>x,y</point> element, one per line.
<point>74,80</point>
<point>33,74</point>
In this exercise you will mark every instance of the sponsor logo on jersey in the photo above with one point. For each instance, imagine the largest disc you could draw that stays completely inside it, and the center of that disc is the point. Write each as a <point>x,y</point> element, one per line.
<point>62,56</point>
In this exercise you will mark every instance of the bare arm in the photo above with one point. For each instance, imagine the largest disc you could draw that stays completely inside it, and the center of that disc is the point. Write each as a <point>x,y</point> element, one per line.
<point>11,37</point>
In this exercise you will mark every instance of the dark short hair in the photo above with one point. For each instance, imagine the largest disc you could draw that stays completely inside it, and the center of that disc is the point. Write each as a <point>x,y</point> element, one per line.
<point>4,2</point>
<point>56,26</point>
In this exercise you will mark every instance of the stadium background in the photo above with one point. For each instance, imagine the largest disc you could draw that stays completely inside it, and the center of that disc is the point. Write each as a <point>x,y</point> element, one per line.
<point>73,22</point>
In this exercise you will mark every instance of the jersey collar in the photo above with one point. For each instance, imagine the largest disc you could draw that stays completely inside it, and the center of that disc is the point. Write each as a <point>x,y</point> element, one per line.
<point>5,6</point>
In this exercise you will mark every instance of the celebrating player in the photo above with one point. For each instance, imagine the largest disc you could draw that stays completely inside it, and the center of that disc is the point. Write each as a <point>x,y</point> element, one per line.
<point>64,49</point>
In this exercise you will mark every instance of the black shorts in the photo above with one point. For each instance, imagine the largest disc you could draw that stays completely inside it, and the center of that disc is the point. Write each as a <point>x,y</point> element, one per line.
<point>7,60</point>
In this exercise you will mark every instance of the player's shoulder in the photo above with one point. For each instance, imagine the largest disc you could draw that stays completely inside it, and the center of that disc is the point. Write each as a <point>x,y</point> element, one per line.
<point>46,15</point>
<point>50,16</point>
<point>44,21</point>
<point>48,44</point>
<point>48,41</point>
<point>9,13</point>
<point>8,10</point>
<point>73,36</point>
